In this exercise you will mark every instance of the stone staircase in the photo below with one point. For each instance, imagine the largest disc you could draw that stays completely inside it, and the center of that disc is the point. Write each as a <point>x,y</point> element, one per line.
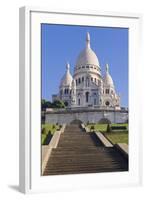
<point>81,152</point>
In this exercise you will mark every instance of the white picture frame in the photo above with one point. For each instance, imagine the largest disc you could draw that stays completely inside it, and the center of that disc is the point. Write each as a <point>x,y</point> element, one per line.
<point>30,167</point>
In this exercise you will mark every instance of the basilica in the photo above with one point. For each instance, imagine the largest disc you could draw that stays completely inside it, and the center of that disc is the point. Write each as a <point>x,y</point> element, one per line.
<point>87,87</point>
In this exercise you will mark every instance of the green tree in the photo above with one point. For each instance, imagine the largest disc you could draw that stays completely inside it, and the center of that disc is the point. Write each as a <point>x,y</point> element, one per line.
<point>45,104</point>
<point>66,103</point>
<point>48,104</point>
<point>58,104</point>
<point>43,101</point>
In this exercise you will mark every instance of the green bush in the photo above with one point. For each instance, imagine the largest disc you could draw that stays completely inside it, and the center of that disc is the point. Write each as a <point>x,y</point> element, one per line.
<point>92,128</point>
<point>108,129</point>
<point>44,131</point>
<point>60,126</point>
<point>53,126</point>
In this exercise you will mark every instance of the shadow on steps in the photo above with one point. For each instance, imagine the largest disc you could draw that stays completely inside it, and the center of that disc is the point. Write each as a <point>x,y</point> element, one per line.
<point>48,138</point>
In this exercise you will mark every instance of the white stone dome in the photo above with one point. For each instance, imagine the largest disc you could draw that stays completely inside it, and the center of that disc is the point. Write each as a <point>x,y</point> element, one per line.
<point>67,78</point>
<point>108,81</point>
<point>87,56</point>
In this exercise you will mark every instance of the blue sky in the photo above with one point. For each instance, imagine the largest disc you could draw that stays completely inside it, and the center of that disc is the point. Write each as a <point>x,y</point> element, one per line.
<point>63,43</point>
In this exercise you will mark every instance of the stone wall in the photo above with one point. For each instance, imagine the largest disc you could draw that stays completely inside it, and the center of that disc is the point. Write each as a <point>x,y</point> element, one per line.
<point>92,116</point>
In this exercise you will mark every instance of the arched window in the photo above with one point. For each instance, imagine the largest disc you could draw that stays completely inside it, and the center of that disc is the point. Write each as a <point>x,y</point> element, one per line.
<point>99,82</point>
<point>95,80</point>
<point>91,78</point>
<point>78,101</point>
<point>94,101</point>
<point>79,80</point>
<point>87,96</point>
<point>87,82</point>
<point>107,91</point>
<point>82,79</point>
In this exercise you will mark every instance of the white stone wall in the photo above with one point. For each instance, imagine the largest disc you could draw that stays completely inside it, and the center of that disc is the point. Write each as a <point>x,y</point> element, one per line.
<point>87,116</point>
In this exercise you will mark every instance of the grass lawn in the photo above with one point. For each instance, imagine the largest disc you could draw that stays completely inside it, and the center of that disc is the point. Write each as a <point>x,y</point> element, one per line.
<point>43,137</point>
<point>114,136</point>
<point>120,125</point>
<point>48,128</point>
<point>98,127</point>
<point>118,137</point>
<point>103,127</point>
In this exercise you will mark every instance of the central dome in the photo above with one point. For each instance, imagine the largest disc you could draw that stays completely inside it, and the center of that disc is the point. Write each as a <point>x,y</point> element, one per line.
<point>87,56</point>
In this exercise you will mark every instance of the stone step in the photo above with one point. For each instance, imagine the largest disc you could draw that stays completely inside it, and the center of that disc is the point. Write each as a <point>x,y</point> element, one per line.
<point>82,162</point>
<point>83,170</point>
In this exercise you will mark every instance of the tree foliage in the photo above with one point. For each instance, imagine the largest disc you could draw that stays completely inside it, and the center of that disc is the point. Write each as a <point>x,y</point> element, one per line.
<point>56,104</point>
<point>45,104</point>
<point>66,103</point>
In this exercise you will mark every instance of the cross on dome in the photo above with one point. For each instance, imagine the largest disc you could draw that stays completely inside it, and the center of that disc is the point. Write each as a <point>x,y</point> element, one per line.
<point>87,56</point>
<point>107,68</point>
<point>88,40</point>
<point>67,66</point>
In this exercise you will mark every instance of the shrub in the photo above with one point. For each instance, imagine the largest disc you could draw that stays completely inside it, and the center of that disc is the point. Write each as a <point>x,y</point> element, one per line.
<point>92,128</point>
<point>53,126</point>
<point>44,131</point>
<point>108,128</point>
<point>60,126</point>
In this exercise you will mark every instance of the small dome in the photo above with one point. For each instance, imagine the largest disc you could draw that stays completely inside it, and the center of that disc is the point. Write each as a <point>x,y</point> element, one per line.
<point>67,78</point>
<point>108,79</point>
<point>87,56</point>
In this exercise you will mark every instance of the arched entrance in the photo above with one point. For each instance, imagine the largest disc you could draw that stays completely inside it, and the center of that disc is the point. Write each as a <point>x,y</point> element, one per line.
<point>87,97</point>
<point>76,121</point>
<point>104,121</point>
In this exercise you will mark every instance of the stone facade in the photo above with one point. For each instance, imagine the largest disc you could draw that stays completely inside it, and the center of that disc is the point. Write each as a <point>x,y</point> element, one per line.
<point>87,87</point>
<point>90,96</point>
